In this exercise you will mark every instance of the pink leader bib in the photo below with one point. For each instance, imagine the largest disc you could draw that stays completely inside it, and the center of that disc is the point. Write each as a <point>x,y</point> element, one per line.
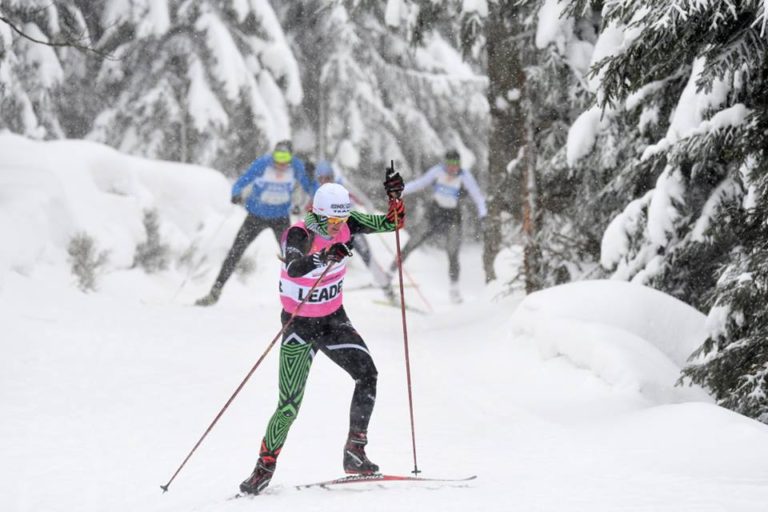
<point>327,295</point>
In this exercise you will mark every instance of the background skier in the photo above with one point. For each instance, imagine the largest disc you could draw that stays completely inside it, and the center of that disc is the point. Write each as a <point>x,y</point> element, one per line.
<point>265,190</point>
<point>443,211</point>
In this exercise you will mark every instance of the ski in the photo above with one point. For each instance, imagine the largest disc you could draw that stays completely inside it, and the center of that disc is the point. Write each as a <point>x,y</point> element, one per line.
<point>352,479</point>
<point>369,286</point>
<point>378,477</point>
<point>397,305</point>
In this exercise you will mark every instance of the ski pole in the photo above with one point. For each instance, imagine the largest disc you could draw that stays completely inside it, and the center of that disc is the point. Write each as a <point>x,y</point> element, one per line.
<point>405,329</point>
<point>248,376</point>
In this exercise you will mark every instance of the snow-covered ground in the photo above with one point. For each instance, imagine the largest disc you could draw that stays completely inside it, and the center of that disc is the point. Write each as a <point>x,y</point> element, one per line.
<point>563,401</point>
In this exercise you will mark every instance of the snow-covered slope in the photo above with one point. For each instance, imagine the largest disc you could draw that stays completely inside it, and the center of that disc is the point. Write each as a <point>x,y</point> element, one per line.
<point>563,401</point>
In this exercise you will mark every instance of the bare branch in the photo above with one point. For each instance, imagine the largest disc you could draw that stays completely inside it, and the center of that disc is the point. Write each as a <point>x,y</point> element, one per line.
<point>58,44</point>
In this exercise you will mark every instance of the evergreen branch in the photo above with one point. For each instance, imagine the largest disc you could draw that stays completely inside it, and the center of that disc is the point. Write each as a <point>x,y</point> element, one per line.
<point>578,7</point>
<point>746,51</point>
<point>426,75</point>
<point>58,44</point>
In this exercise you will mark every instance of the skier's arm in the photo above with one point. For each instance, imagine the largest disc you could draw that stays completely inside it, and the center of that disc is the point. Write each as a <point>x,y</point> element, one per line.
<point>365,223</point>
<point>255,170</point>
<point>309,186</point>
<point>422,181</point>
<point>371,223</point>
<point>299,263</point>
<point>297,244</point>
<point>474,192</point>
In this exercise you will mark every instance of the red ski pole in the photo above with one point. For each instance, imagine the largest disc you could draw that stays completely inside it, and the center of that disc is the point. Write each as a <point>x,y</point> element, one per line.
<point>405,329</point>
<point>248,376</point>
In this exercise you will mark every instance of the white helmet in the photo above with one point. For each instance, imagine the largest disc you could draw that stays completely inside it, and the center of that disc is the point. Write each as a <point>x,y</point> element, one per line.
<point>331,200</point>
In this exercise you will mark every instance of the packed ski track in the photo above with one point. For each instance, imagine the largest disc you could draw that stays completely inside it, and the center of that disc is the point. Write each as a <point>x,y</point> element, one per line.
<point>106,393</point>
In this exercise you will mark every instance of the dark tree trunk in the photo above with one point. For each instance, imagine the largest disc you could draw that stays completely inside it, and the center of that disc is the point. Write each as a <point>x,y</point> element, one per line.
<point>507,136</point>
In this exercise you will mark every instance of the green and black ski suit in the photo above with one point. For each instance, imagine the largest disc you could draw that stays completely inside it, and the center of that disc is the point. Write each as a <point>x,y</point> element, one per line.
<point>332,334</point>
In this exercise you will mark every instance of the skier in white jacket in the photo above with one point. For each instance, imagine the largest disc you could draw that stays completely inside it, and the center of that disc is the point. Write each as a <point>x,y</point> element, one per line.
<point>443,213</point>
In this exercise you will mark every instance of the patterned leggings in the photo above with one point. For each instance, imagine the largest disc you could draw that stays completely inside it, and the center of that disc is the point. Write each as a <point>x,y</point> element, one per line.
<point>334,336</point>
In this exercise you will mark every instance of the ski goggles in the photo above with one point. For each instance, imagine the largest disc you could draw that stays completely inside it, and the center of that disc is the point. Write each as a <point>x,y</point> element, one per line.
<point>282,157</point>
<point>336,220</point>
<point>457,163</point>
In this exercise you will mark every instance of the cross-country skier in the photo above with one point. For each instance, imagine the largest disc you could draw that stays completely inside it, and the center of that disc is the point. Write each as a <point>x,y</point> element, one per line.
<point>443,212</point>
<point>325,173</point>
<point>321,240</point>
<point>265,190</point>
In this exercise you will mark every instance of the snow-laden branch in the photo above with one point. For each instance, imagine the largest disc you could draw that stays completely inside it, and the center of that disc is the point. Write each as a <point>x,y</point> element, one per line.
<point>67,43</point>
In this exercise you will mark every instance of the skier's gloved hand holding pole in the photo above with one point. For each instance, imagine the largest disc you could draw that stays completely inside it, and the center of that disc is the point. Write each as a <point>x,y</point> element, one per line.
<point>393,186</point>
<point>333,254</point>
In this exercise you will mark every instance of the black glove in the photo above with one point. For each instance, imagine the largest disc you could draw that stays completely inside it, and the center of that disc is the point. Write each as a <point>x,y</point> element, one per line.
<point>238,199</point>
<point>396,208</point>
<point>334,253</point>
<point>393,183</point>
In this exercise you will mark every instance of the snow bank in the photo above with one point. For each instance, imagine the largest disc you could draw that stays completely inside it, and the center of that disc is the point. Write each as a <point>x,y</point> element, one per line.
<point>50,191</point>
<point>630,336</point>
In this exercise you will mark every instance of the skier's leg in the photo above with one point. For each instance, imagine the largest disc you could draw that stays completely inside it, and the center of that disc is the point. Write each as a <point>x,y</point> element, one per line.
<point>351,353</point>
<point>452,246</point>
<point>247,233</point>
<point>344,346</point>
<point>413,243</point>
<point>296,354</point>
<point>278,226</point>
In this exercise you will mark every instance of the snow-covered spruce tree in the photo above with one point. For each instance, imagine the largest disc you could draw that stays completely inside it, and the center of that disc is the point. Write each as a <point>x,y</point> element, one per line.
<point>203,81</point>
<point>733,362</point>
<point>707,208</point>
<point>536,55</point>
<point>599,171</point>
<point>557,45</point>
<point>373,98</point>
<point>691,178</point>
<point>36,46</point>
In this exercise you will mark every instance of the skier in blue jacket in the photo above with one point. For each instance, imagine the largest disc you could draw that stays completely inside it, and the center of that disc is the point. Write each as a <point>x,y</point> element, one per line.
<point>265,190</point>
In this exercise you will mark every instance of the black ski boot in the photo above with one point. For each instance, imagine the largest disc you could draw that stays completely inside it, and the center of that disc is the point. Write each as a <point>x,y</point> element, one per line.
<point>210,299</point>
<point>390,293</point>
<point>355,460</point>
<point>259,479</point>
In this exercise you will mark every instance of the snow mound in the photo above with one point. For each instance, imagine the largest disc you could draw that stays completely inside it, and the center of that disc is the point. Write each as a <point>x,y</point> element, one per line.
<point>50,191</point>
<point>630,336</point>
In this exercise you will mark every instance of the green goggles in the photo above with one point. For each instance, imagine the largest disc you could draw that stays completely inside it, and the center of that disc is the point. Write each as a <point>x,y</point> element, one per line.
<point>457,163</point>
<point>282,157</point>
